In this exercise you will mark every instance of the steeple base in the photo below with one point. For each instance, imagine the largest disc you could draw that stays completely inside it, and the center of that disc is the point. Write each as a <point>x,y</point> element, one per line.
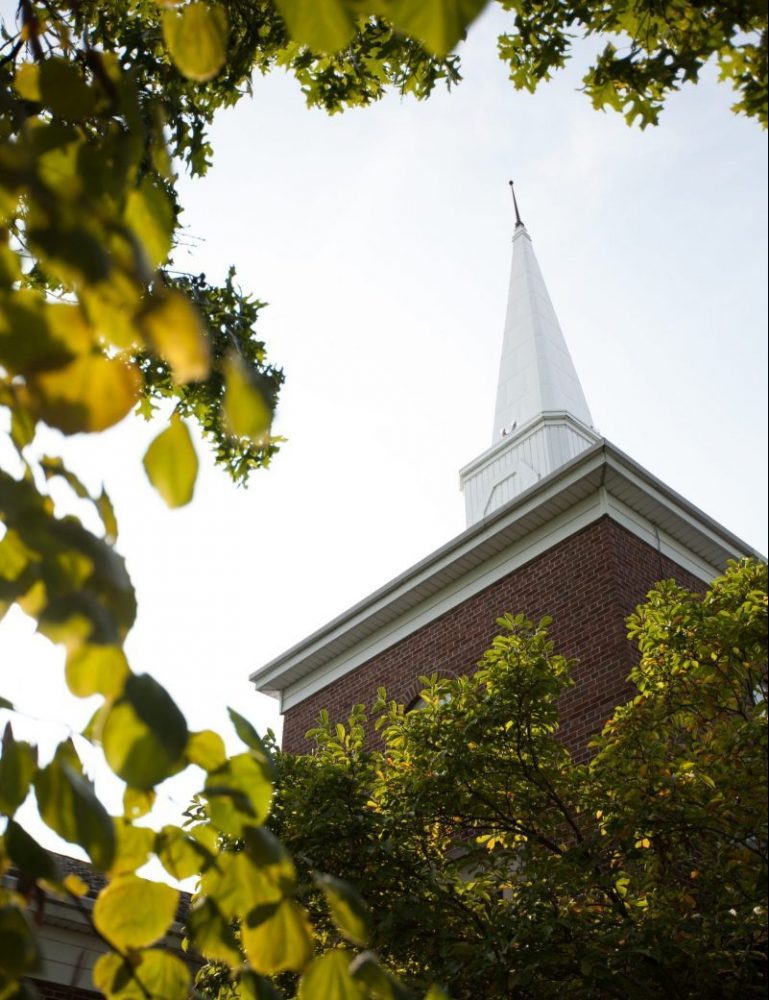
<point>521,458</point>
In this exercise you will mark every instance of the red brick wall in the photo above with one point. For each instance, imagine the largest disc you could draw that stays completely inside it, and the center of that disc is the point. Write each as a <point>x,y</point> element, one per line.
<point>587,584</point>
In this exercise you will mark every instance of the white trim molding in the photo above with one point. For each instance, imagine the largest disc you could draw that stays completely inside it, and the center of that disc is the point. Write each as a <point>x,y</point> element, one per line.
<point>599,482</point>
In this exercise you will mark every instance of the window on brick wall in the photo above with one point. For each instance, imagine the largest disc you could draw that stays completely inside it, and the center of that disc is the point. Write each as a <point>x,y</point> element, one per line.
<point>418,703</point>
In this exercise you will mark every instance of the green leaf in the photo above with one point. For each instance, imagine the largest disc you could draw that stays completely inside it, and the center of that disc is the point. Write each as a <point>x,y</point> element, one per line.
<point>247,413</point>
<point>211,935</point>
<point>68,805</point>
<point>328,976</point>
<point>97,670</point>
<point>89,394</point>
<point>17,768</point>
<point>181,855</point>
<point>206,749</point>
<point>324,27</point>
<point>281,942</point>
<point>438,24</point>
<point>54,466</point>
<point>239,794</point>
<point>365,969</point>
<point>37,335</point>
<point>132,912</point>
<point>10,266</point>
<point>252,739</point>
<point>19,950</point>
<point>175,329</point>
<point>107,514</point>
<point>347,908</point>
<point>28,856</point>
<point>196,38</point>
<point>150,215</point>
<point>436,993</point>
<point>144,734</point>
<point>171,463</point>
<point>270,856</point>
<point>63,90</point>
<point>72,253</point>
<point>152,973</point>
<point>253,987</point>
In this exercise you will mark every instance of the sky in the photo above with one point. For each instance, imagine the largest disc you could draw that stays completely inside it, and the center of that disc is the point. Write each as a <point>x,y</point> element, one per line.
<point>381,240</point>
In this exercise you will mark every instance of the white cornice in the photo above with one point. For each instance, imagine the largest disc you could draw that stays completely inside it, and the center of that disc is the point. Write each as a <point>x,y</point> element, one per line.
<point>601,481</point>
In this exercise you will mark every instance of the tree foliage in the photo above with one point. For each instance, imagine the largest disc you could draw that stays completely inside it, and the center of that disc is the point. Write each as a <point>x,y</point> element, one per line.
<point>102,103</point>
<point>653,48</point>
<point>498,862</point>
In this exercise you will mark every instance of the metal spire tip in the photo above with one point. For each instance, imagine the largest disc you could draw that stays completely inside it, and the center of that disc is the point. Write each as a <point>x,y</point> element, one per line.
<point>518,220</point>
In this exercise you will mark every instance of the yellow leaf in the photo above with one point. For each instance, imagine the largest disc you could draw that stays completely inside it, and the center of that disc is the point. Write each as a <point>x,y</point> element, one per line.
<point>144,734</point>
<point>438,24</point>
<point>74,884</point>
<point>154,973</point>
<point>149,214</point>
<point>281,942</point>
<point>96,670</point>
<point>37,336</point>
<point>238,885</point>
<point>27,81</point>
<point>246,411</point>
<point>347,908</point>
<point>111,306</point>
<point>137,803</point>
<point>175,329</point>
<point>172,465</point>
<point>132,912</point>
<point>91,393</point>
<point>212,936</point>
<point>181,855</point>
<point>134,844</point>
<point>324,27</point>
<point>206,749</point>
<point>328,976</point>
<point>196,37</point>
<point>239,793</point>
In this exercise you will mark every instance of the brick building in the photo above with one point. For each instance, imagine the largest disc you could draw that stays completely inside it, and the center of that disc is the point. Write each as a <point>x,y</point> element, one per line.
<point>559,523</point>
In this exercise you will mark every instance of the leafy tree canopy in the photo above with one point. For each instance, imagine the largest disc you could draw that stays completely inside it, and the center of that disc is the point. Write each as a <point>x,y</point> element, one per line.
<point>502,864</point>
<point>101,104</point>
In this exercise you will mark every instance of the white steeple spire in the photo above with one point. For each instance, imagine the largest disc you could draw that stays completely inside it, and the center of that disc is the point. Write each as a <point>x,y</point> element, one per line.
<point>542,419</point>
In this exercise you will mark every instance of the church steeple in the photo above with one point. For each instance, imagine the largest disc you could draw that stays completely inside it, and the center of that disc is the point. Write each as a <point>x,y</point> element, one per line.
<point>536,373</point>
<point>541,419</point>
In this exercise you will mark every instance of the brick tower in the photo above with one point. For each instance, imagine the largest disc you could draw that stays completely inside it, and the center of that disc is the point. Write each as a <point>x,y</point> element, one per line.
<point>559,523</point>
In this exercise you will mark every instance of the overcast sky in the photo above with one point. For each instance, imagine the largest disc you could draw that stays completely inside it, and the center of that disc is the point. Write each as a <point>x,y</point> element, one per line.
<point>381,239</point>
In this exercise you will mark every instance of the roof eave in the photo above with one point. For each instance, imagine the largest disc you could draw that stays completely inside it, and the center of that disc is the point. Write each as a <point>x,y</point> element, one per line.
<point>600,465</point>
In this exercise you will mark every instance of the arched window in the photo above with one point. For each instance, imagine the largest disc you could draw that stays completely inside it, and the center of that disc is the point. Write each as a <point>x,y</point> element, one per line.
<point>417,703</point>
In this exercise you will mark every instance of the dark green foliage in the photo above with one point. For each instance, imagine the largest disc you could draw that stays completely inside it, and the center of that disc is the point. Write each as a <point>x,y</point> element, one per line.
<point>494,862</point>
<point>230,319</point>
<point>654,48</point>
